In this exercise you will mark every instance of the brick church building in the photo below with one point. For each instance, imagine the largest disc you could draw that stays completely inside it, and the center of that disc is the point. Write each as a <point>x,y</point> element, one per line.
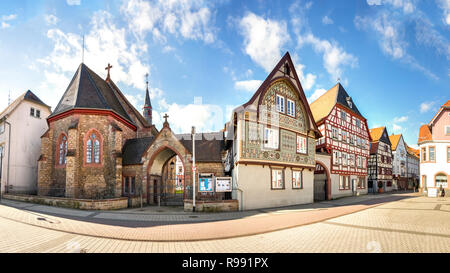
<point>98,146</point>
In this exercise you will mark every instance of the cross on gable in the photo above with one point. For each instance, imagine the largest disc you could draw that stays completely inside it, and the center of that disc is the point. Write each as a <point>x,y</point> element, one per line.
<point>165,117</point>
<point>108,68</point>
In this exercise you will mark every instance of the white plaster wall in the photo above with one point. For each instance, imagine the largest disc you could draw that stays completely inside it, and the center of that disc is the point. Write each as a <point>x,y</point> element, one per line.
<point>431,169</point>
<point>26,132</point>
<point>255,183</point>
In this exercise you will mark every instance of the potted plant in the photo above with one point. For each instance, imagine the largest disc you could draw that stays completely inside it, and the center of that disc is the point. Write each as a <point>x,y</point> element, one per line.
<point>380,186</point>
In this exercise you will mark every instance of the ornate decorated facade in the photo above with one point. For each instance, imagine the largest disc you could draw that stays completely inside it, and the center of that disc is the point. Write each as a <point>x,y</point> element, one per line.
<point>270,141</point>
<point>380,162</point>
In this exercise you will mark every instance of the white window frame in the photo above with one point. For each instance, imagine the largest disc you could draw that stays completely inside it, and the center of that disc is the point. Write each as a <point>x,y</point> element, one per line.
<point>302,149</point>
<point>280,106</point>
<point>277,182</point>
<point>297,179</point>
<point>269,139</point>
<point>291,108</point>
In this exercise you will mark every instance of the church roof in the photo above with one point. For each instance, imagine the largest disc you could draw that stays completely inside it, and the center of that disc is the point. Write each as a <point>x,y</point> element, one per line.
<point>134,148</point>
<point>322,106</point>
<point>87,90</point>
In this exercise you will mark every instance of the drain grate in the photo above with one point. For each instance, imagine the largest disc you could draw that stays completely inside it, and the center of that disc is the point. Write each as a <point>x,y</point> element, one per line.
<point>193,216</point>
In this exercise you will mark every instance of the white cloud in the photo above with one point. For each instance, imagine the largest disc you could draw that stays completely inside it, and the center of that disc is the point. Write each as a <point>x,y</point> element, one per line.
<point>391,38</point>
<point>104,43</point>
<point>250,85</point>
<point>400,119</point>
<point>5,19</point>
<point>327,20</point>
<point>205,117</point>
<point>9,17</point>
<point>334,56</point>
<point>426,106</point>
<point>5,25</point>
<point>408,6</point>
<point>189,19</point>
<point>263,39</point>
<point>51,19</point>
<point>168,49</point>
<point>73,2</point>
<point>319,92</point>
<point>396,128</point>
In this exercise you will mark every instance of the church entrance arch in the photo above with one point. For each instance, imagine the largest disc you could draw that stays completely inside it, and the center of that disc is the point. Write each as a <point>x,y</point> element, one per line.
<point>322,184</point>
<point>166,181</point>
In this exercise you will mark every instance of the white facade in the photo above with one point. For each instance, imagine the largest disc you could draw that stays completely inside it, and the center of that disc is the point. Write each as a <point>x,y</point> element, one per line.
<point>434,146</point>
<point>20,141</point>
<point>399,164</point>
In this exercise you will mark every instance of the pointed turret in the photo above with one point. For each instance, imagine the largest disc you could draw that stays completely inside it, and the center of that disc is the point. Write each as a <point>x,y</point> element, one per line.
<point>148,106</point>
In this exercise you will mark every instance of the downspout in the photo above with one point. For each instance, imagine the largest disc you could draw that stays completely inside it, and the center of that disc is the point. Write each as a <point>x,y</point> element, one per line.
<point>9,151</point>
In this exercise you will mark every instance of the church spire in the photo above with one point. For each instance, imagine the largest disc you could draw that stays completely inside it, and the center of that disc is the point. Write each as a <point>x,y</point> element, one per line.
<point>147,105</point>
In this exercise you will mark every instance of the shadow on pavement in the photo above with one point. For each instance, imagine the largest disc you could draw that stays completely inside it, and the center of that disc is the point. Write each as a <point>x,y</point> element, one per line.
<point>162,217</point>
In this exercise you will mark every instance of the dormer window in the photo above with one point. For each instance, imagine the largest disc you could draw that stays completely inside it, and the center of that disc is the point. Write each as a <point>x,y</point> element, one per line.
<point>287,70</point>
<point>349,102</point>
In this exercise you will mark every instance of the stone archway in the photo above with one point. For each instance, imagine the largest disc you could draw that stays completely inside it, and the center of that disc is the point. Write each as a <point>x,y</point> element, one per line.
<point>322,182</point>
<point>157,160</point>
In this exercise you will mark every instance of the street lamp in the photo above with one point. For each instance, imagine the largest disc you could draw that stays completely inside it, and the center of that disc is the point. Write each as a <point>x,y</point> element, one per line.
<point>193,168</point>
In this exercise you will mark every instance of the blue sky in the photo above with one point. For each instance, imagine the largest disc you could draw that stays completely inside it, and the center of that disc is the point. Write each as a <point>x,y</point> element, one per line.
<point>207,57</point>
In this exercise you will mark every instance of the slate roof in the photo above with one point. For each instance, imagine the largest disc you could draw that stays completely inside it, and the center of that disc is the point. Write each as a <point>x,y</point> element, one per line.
<point>322,106</point>
<point>88,91</point>
<point>133,150</point>
<point>208,146</point>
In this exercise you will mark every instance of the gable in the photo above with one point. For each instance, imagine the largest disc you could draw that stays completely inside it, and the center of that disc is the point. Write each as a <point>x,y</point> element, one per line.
<point>284,70</point>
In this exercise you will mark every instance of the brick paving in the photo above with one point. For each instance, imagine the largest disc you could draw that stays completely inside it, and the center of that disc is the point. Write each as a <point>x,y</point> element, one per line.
<point>128,225</point>
<point>415,224</point>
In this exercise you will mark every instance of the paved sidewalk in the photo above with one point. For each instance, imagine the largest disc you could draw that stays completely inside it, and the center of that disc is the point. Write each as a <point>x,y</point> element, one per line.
<point>166,226</point>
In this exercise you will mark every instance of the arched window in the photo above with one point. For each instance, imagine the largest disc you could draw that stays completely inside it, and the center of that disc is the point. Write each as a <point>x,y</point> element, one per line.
<point>93,148</point>
<point>441,179</point>
<point>62,150</point>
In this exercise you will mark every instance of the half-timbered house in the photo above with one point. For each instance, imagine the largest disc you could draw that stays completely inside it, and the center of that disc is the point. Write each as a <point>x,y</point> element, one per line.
<point>345,137</point>
<point>271,143</point>
<point>380,161</point>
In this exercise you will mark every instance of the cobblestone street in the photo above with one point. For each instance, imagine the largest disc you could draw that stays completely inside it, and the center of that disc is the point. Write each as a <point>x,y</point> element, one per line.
<point>414,224</point>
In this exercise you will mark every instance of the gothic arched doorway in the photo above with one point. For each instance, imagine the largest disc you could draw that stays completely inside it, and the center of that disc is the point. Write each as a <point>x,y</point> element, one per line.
<point>166,178</point>
<point>322,187</point>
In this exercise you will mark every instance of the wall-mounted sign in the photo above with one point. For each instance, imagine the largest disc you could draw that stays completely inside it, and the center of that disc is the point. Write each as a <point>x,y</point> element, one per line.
<point>206,182</point>
<point>223,184</point>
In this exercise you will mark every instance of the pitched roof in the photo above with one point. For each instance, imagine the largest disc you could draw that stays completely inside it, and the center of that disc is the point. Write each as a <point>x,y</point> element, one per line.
<point>323,105</point>
<point>88,91</point>
<point>424,133</point>
<point>376,133</point>
<point>286,59</point>
<point>29,96</point>
<point>208,146</point>
<point>412,151</point>
<point>133,149</point>
<point>395,139</point>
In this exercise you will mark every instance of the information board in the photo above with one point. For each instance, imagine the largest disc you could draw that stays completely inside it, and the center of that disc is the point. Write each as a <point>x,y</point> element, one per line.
<point>223,184</point>
<point>206,182</point>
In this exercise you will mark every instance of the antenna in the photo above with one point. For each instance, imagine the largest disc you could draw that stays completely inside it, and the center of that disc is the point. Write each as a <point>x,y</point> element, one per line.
<point>9,97</point>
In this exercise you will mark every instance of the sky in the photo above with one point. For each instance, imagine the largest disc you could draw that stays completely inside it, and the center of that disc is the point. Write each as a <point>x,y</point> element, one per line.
<point>205,58</point>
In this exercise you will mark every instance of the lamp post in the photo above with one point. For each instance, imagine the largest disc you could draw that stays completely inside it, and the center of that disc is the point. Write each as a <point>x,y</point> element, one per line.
<point>193,168</point>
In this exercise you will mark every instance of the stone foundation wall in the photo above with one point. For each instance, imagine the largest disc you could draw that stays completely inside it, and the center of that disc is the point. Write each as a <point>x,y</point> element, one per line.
<point>83,204</point>
<point>212,206</point>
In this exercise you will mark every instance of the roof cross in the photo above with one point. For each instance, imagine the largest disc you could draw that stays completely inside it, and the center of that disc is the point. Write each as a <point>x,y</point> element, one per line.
<point>108,68</point>
<point>165,117</point>
<point>146,79</point>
